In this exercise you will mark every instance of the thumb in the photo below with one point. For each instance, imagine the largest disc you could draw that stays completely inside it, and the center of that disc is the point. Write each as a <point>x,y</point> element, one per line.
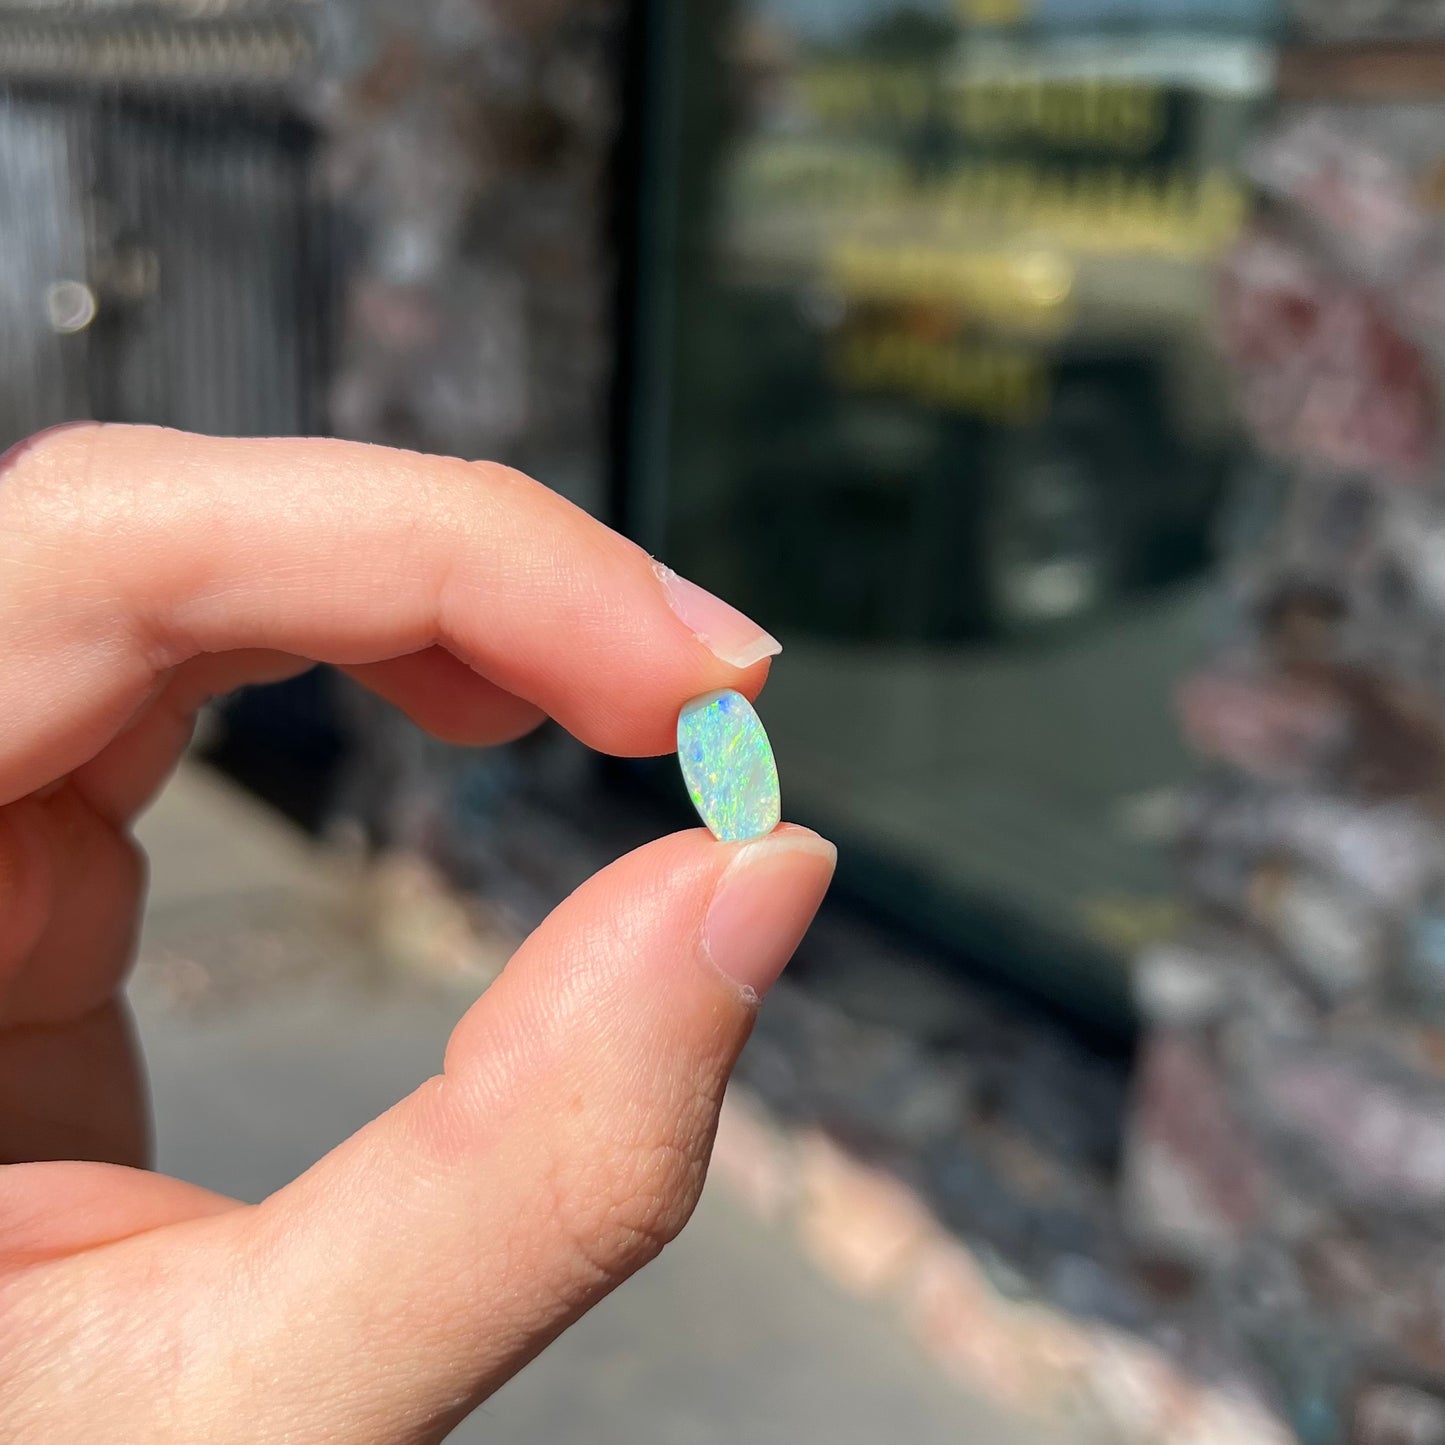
<point>416,1268</point>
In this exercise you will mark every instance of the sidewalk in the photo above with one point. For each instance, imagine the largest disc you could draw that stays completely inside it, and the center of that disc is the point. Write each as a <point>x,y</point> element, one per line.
<point>273,1028</point>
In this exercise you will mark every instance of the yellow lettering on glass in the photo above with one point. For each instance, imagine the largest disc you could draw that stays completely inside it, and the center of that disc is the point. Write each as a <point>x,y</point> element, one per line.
<point>997,383</point>
<point>993,12</point>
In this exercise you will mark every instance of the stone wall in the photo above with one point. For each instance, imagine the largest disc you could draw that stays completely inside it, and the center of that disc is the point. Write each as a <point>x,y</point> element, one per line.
<point>469,158</point>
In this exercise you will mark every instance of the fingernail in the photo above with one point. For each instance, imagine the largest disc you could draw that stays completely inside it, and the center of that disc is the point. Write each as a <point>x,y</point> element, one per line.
<point>764,904</point>
<point>734,638</point>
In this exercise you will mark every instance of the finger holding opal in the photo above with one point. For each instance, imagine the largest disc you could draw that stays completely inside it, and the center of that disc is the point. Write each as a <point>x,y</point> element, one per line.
<point>728,766</point>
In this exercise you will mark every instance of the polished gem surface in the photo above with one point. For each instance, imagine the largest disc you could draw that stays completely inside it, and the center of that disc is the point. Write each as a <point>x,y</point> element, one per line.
<point>727,763</point>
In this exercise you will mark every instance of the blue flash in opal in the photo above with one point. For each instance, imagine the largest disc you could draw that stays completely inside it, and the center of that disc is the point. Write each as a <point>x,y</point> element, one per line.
<point>727,763</point>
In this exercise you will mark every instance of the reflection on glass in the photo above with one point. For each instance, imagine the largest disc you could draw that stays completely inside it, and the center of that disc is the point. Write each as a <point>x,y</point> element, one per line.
<point>945,412</point>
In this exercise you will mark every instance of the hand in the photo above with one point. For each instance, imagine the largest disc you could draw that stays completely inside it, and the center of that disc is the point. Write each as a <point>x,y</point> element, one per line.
<point>391,1288</point>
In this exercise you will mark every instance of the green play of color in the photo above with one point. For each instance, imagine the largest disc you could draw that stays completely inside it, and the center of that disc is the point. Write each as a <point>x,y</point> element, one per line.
<point>729,768</point>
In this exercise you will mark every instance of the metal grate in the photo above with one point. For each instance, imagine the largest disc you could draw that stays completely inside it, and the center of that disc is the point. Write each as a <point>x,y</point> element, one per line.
<point>231,57</point>
<point>166,246</point>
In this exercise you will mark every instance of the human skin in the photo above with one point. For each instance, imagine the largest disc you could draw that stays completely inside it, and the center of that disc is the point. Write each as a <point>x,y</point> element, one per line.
<point>564,1140</point>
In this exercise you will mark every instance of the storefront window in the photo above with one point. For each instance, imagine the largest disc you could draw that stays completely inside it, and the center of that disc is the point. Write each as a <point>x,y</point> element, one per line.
<point>929,387</point>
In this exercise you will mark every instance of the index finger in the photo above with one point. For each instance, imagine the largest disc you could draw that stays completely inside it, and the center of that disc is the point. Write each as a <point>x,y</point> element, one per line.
<point>125,551</point>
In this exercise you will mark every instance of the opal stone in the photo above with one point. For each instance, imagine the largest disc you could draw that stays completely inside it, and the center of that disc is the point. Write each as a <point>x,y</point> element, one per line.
<point>727,763</point>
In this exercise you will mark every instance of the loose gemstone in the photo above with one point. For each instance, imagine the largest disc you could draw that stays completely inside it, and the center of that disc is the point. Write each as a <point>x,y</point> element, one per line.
<point>727,763</point>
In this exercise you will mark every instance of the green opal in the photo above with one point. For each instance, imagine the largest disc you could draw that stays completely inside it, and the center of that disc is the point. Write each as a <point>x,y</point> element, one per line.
<point>727,763</point>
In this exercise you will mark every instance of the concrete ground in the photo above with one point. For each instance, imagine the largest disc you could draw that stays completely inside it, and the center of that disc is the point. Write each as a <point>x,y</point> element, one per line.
<point>273,1029</point>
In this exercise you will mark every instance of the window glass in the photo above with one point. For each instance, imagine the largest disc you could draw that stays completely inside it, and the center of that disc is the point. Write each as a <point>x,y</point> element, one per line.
<point>930,389</point>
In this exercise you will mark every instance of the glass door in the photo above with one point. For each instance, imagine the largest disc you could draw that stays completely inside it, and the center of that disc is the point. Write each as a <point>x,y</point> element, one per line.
<point>927,385</point>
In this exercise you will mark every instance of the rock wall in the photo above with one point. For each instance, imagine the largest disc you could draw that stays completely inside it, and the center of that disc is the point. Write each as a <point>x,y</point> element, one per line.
<point>469,158</point>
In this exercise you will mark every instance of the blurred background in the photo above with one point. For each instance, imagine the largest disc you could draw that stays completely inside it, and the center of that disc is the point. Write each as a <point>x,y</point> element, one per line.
<point>1059,379</point>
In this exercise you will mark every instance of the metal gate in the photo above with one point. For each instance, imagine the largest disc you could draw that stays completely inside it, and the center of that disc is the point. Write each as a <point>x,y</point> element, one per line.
<point>163,255</point>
